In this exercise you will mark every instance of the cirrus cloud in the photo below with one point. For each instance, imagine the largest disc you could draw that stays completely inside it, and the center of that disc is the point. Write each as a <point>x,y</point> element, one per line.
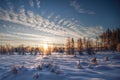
<point>60,28</point>
<point>78,8</point>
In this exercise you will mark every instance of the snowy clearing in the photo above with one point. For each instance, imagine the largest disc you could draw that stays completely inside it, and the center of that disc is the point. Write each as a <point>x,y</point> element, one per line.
<point>60,67</point>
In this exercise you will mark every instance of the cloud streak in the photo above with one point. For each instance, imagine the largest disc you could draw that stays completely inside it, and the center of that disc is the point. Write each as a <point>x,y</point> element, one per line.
<point>63,27</point>
<point>59,27</point>
<point>31,3</point>
<point>36,22</point>
<point>38,3</point>
<point>78,8</point>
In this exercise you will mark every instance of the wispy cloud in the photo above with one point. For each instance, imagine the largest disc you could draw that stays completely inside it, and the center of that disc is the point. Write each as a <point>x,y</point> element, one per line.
<point>63,27</point>
<point>25,38</point>
<point>10,5</point>
<point>36,22</point>
<point>16,39</point>
<point>59,27</point>
<point>31,3</point>
<point>38,3</point>
<point>78,8</point>
<point>50,16</point>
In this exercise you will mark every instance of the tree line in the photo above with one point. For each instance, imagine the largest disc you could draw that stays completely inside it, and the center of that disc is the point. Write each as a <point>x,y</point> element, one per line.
<point>108,40</point>
<point>111,39</point>
<point>82,44</point>
<point>22,50</point>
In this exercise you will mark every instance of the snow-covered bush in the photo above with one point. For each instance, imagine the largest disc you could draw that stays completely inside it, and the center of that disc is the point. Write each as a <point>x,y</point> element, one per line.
<point>55,69</point>
<point>22,68</point>
<point>15,70</point>
<point>106,58</point>
<point>39,67</point>
<point>93,61</point>
<point>49,65</point>
<point>79,65</point>
<point>36,76</point>
<point>18,69</point>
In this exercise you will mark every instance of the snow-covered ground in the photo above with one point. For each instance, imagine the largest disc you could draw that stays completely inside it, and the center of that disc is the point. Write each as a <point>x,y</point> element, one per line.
<point>60,67</point>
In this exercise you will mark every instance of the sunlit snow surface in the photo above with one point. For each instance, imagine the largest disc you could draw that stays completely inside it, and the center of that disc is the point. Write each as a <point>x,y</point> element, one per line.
<point>67,66</point>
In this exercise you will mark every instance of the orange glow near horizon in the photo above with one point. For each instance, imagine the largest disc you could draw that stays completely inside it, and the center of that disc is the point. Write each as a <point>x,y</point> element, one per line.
<point>45,46</point>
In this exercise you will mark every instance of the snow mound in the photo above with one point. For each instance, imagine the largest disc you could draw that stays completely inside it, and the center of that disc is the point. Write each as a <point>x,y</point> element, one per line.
<point>101,67</point>
<point>116,57</point>
<point>84,63</point>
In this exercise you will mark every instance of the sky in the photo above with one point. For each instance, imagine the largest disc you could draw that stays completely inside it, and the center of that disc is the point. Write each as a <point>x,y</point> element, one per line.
<point>33,22</point>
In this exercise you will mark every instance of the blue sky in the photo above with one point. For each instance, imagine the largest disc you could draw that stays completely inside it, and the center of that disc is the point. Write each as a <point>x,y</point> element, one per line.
<point>52,21</point>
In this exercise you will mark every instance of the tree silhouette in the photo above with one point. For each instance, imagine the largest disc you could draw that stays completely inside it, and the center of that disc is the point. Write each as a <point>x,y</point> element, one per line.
<point>68,46</point>
<point>72,46</point>
<point>79,45</point>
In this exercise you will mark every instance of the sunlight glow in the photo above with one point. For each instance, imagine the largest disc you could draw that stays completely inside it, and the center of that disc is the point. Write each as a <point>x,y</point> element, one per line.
<point>45,46</point>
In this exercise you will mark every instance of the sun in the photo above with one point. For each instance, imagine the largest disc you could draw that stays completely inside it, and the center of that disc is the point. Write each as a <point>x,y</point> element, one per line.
<point>45,46</point>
